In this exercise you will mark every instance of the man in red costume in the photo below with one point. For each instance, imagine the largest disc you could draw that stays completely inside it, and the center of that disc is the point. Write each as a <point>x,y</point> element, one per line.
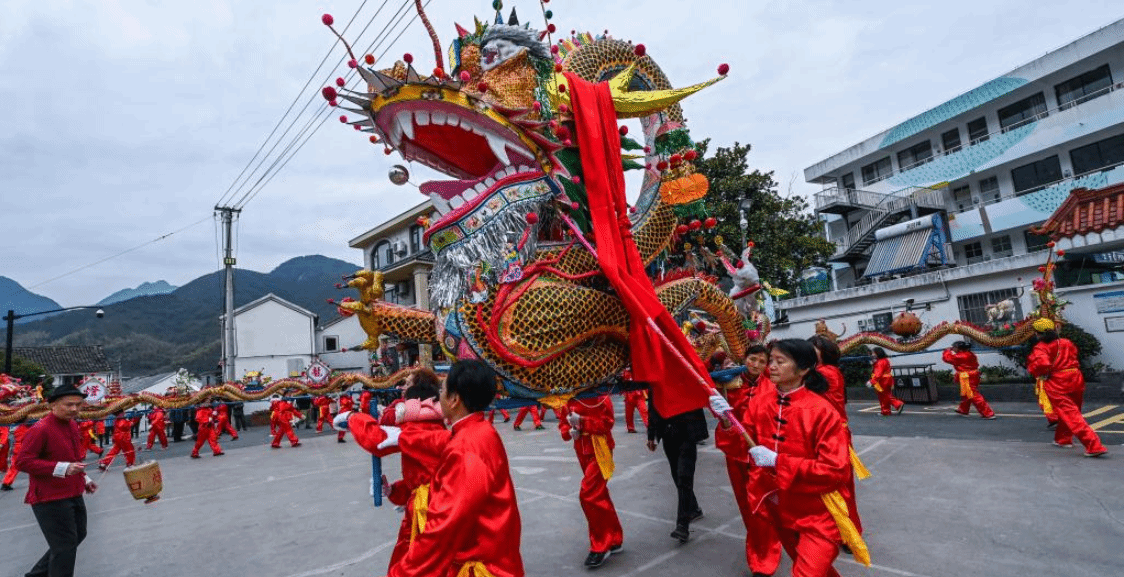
<point>280,420</point>
<point>634,401</point>
<point>365,402</point>
<point>17,435</point>
<point>536,417</point>
<point>346,406</point>
<point>967,368</point>
<point>419,434</point>
<point>208,433</point>
<point>323,412</point>
<point>52,456</point>
<point>589,422</point>
<point>473,526</point>
<point>223,420</point>
<point>122,441</point>
<point>89,437</point>
<point>1054,362</point>
<point>156,429</point>
<point>883,382</point>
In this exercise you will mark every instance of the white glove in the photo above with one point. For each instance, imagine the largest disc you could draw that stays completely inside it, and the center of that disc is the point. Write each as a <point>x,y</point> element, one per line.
<point>870,384</point>
<point>391,437</point>
<point>719,405</point>
<point>575,421</point>
<point>763,457</point>
<point>340,422</point>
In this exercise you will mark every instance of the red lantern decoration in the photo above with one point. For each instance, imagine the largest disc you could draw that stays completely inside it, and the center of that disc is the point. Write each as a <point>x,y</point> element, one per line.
<point>681,229</point>
<point>710,222</point>
<point>695,224</point>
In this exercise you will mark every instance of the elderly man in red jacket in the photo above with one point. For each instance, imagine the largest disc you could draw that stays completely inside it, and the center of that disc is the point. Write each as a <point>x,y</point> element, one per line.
<point>51,455</point>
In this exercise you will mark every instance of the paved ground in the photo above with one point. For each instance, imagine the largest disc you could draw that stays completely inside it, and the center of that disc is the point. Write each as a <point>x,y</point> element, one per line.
<point>949,496</point>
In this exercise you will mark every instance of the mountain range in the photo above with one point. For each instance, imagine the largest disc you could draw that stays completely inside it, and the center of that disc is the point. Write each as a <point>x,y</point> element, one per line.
<point>145,289</point>
<point>160,332</point>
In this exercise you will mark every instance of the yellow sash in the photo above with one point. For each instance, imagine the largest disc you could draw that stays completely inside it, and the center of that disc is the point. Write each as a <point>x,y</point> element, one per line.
<point>1043,400</point>
<point>851,537</point>
<point>603,454</point>
<point>474,568</point>
<point>421,510</point>
<point>965,384</point>
<point>860,470</point>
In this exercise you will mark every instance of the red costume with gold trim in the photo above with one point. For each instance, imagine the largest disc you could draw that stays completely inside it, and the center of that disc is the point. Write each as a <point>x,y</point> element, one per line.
<point>836,394</point>
<point>593,444</point>
<point>967,368</point>
<point>473,514</point>
<point>208,432</point>
<point>1056,365</point>
<point>323,412</point>
<point>883,381</point>
<point>280,420</point>
<point>156,428</point>
<point>122,442</point>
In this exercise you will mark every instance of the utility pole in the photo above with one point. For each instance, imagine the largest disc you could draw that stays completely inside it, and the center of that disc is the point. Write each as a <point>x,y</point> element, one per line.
<point>228,215</point>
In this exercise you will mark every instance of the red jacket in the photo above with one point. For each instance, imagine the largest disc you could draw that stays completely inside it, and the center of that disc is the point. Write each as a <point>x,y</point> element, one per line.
<point>203,416</point>
<point>123,430</point>
<point>283,412</point>
<point>881,375</point>
<point>836,388</point>
<point>156,418</point>
<point>346,403</point>
<point>323,403</point>
<point>1057,363</point>
<point>596,419</point>
<point>223,412</point>
<point>420,442</point>
<point>365,402</point>
<point>46,444</point>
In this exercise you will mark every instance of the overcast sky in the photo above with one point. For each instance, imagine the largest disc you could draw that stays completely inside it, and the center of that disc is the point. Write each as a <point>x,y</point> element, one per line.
<point>124,121</point>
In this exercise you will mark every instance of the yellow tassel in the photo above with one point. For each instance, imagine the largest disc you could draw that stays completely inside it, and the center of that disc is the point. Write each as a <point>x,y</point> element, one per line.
<point>603,454</point>
<point>474,568</point>
<point>965,385</point>
<point>1043,400</point>
<point>860,470</point>
<point>838,509</point>
<point>421,511</point>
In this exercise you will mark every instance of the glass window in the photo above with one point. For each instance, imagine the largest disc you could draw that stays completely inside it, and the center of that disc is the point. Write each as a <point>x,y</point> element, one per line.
<point>991,308</point>
<point>415,239</point>
<point>951,140</point>
<point>1084,88</point>
<point>386,254</point>
<point>973,252</point>
<point>962,196</point>
<point>847,182</point>
<point>989,189</point>
<point>919,153</point>
<point>1107,152</point>
<point>331,344</point>
<point>878,170</point>
<point>1035,242</point>
<point>1001,247</point>
<point>977,130</point>
<point>1024,111</point>
<point>1037,174</point>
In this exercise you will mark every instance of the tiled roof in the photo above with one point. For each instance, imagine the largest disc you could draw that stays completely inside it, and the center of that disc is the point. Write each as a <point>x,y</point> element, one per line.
<point>1086,211</point>
<point>66,360</point>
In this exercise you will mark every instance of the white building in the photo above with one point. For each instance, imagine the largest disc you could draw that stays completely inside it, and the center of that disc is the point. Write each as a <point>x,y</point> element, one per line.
<point>274,336</point>
<point>941,208</point>
<point>338,345</point>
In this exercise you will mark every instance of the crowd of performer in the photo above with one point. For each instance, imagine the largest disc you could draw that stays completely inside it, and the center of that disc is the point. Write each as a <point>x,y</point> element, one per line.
<point>783,428</point>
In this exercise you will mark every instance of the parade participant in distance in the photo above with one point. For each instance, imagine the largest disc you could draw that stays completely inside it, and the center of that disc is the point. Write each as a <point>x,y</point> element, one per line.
<point>883,382</point>
<point>52,456</point>
<point>207,432</point>
<point>536,417</point>
<point>5,446</point>
<point>634,401</point>
<point>801,461</point>
<point>222,412</point>
<point>280,420</point>
<point>13,470</point>
<point>346,406</point>
<point>967,368</point>
<point>419,434</point>
<point>589,422</point>
<point>1053,361</point>
<point>156,429</point>
<point>122,441</point>
<point>323,412</point>
<point>473,527</point>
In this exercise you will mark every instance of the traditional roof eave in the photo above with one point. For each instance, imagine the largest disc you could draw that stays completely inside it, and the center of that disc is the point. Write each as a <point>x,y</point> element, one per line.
<point>1085,211</point>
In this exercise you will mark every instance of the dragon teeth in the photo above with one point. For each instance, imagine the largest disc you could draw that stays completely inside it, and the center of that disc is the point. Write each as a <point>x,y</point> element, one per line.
<point>421,118</point>
<point>456,202</point>
<point>405,122</point>
<point>440,203</point>
<point>499,148</point>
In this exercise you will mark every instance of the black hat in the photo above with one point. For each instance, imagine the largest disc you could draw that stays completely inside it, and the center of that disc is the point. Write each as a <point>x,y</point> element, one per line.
<point>64,391</point>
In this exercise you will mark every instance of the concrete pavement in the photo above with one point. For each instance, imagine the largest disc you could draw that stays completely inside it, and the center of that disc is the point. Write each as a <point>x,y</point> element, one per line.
<point>949,496</point>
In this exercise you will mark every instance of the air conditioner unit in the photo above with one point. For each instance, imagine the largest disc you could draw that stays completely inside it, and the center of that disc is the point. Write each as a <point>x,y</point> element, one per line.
<point>399,247</point>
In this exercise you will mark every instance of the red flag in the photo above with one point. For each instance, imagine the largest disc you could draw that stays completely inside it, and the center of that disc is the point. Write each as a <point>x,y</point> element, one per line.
<point>661,355</point>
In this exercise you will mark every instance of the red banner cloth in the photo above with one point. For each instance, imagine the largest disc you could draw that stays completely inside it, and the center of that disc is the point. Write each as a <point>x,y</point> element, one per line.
<point>661,355</point>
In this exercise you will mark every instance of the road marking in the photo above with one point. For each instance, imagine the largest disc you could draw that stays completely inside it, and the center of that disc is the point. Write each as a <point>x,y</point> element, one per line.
<point>322,570</point>
<point>1109,421</point>
<point>1096,412</point>
<point>872,446</point>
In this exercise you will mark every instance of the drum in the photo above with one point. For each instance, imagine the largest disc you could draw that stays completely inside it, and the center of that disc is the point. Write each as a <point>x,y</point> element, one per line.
<point>144,481</point>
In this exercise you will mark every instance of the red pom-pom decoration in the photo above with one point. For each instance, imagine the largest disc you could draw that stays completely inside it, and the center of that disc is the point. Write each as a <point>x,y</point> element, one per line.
<point>690,155</point>
<point>532,218</point>
<point>1041,269</point>
<point>676,159</point>
<point>343,119</point>
<point>408,58</point>
<point>369,59</point>
<point>554,49</point>
<point>640,50</point>
<point>465,76</point>
<point>537,106</point>
<point>438,73</point>
<point>1061,253</point>
<point>647,149</point>
<point>739,264</point>
<point>551,28</point>
<point>1050,244</point>
<point>623,130</point>
<point>333,103</point>
<point>482,87</point>
<point>562,132</point>
<point>695,224</point>
<point>329,93</point>
<point>574,205</point>
<point>632,210</point>
<point>576,179</point>
<point>339,285</point>
<point>327,19</point>
<point>567,142</point>
<point>661,165</point>
<point>561,88</point>
<point>710,222</point>
<point>352,63</point>
<point>387,151</point>
<point>750,244</point>
<point>681,229</point>
<point>343,350</point>
<point>723,69</point>
<point>356,126</point>
<point>331,301</point>
<point>558,67</point>
<point>563,109</point>
<point>374,139</point>
<point>340,82</point>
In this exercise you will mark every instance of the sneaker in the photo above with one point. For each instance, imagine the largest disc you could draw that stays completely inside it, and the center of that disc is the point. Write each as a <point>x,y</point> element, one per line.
<point>341,440</point>
<point>506,419</point>
<point>296,444</point>
<point>516,427</point>
<point>901,408</point>
<point>595,560</point>
<point>219,454</point>
<point>1095,454</point>
<point>698,514</point>
<point>616,548</point>
<point>1063,445</point>
<point>275,446</point>
<point>103,467</point>
<point>1051,424</point>
<point>989,417</point>
<point>681,533</point>
<point>961,413</point>
<point>234,438</point>
<point>632,430</point>
<point>194,456</point>
<point>539,427</point>
<point>6,487</point>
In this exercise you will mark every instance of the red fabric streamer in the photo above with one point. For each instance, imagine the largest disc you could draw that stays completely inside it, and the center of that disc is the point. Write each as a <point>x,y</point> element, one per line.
<point>661,354</point>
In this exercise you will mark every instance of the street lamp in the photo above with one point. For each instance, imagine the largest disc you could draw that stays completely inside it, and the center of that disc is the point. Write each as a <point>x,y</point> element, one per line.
<point>744,207</point>
<point>11,320</point>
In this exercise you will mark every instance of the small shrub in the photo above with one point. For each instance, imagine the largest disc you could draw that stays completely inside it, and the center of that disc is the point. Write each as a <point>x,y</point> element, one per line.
<point>1087,347</point>
<point>943,378</point>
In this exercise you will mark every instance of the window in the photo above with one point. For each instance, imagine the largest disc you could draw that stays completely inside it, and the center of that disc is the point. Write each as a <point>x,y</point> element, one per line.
<point>989,189</point>
<point>1022,112</point>
<point>882,322</point>
<point>1035,242</point>
<point>331,344</point>
<point>847,182</point>
<point>1037,174</point>
<point>919,153</point>
<point>951,140</point>
<point>877,170</point>
<point>962,196</point>
<point>384,253</point>
<point>992,307</point>
<point>973,252</point>
<point>1107,152</point>
<point>415,239</point>
<point>977,130</point>
<point>1084,88</point>
<point>1001,247</point>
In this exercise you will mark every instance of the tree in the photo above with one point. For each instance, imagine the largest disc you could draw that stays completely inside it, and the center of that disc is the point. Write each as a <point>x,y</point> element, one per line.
<point>28,372</point>
<point>787,237</point>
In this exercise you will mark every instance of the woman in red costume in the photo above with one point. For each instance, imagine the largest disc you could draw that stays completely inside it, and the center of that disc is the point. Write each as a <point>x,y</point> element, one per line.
<point>122,441</point>
<point>827,365</point>
<point>589,422</point>
<point>1053,361</point>
<point>883,382</point>
<point>967,368</point>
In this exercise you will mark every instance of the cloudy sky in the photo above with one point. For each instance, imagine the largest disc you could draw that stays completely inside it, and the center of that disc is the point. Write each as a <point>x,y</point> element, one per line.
<point>124,121</point>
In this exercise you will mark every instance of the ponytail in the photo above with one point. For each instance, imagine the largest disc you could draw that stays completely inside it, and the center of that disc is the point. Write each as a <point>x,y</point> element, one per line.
<point>815,382</point>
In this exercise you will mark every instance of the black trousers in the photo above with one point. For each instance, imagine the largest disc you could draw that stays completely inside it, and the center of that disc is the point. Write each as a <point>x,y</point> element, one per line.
<point>177,431</point>
<point>681,455</point>
<point>240,421</point>
<point>63,523</point>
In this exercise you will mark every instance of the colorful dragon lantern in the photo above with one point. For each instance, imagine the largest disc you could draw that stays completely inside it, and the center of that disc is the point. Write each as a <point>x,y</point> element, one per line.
<point>516,280</point>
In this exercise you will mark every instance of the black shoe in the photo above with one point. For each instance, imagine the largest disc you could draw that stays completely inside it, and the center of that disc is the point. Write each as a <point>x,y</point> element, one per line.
<point>1051,424</point>
<point>195,456</point>
<point>595,560</point>
<point>219,454</point>
<point>341,440</point>
<point>6,487</point>
<point>698,514</point>
<point>516,427</point>
<point>539,427</point>
<point>681,533</point>
<point>616,548</point>
<point>632,430</point>
<point>901,408</point>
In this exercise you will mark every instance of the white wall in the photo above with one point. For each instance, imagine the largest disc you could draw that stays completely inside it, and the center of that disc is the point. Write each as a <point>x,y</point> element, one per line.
<point>269,334</point>
<point>349,335</point>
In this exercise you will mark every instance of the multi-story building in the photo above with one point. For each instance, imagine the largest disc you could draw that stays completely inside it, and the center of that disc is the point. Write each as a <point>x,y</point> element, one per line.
<point>943,208</point>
